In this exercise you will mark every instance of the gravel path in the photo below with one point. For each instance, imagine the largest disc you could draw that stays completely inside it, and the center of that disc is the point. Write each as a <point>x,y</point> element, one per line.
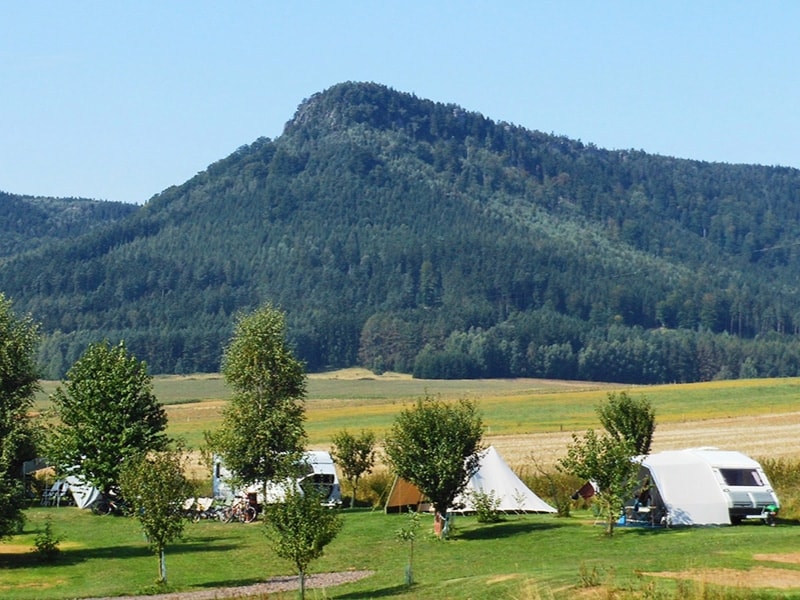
<point>274,585</point>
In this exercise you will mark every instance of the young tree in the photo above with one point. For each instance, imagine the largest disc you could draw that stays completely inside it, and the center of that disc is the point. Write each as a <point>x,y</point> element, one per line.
<point>632,419</point>
<point>262,434</point>
<point>155,486</point>
<point>108,414</point>
<point>607,462</point>
<point>19,378</point>
<point>355,456</point>
<point>300,527</point>
<point>435,446</point>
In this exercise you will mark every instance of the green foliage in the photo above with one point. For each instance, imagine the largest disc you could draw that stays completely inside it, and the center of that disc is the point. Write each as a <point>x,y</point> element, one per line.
<point>18,383</point>
<point>262,434</point>
<point>631,419</point>
<point>355,456</point>
<point>107,414</point>
<point>607,462</point>
<point>27,223</point>
<point>46,542</point>
<point>376,486</point>
<point>435,446</point>
<point>486,505</point>
<point>156,487</point>
<point>299,529</point>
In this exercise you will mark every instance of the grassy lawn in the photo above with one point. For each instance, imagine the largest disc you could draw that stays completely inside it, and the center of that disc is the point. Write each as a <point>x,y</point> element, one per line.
<point>521,558</point>
<point>536,556</point>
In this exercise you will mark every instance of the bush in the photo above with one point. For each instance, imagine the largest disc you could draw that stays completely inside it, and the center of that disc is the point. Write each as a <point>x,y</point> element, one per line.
<point>486,506</point>
<point>784,475</point>
<point>555,487</point>
<point>46,542</point>
<point>374,488</point>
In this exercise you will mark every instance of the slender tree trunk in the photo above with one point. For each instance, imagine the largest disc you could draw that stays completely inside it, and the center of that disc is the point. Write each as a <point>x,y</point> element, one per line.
<point>162,566</point>
<point>302,584</point>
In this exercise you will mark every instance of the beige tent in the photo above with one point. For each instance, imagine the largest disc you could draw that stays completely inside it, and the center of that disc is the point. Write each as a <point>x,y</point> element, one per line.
<point>405,496</point>
<point>494,477</point>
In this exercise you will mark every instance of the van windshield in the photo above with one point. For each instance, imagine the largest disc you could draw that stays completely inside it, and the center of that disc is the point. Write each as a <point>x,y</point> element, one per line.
<point>742,477</point>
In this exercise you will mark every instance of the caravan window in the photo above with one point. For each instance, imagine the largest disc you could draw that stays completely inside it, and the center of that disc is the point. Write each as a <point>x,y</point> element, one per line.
<point>742,477</point>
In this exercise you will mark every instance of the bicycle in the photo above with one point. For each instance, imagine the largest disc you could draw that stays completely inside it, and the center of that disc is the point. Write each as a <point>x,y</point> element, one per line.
<point>107,505</point>
<point>242,510</point>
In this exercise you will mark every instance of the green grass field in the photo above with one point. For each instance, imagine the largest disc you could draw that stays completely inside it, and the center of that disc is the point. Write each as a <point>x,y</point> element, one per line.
<point>520,558</point>
<point>532,556</point>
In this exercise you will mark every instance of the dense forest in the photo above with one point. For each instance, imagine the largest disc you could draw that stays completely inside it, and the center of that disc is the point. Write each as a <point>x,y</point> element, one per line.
<point>28,222</point>
<point>404,234</point>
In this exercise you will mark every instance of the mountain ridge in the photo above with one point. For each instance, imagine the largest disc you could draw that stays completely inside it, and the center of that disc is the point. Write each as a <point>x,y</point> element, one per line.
<point>407,234</point>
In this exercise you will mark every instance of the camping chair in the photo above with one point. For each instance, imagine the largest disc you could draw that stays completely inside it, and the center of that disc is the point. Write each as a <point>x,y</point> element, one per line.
<point>53,496</point>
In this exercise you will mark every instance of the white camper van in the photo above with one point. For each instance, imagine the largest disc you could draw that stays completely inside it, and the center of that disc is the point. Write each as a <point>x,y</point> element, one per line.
<point>317,465</point>
<point>702,486</point>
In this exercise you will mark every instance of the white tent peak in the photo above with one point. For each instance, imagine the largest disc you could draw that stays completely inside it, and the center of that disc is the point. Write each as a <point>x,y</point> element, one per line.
<point>495,477</point>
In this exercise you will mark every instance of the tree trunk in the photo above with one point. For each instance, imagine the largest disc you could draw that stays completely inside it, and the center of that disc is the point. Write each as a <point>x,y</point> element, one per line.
<point>302,584</point>
<point>162,566</point>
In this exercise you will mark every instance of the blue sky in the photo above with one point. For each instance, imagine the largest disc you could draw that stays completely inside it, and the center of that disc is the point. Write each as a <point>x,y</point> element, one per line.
<point>120,99</point>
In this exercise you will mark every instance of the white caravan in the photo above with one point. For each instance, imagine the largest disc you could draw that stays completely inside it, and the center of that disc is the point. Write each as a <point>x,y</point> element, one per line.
<point>701,486</point>
<point>319,470</point>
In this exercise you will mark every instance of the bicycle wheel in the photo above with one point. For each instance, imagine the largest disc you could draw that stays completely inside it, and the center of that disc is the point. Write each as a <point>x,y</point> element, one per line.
<point>102,507</point>
<point>249,514</point>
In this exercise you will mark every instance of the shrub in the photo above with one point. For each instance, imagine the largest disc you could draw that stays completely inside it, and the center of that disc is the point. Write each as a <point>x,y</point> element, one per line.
<point>556,487</point>
<point>46,542</point>
<point>486,506</point>
<point>784,475</point>
<point>374,488</point>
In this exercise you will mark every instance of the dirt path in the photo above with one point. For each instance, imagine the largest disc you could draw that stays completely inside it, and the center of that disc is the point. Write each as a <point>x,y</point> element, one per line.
<point>272,586</point>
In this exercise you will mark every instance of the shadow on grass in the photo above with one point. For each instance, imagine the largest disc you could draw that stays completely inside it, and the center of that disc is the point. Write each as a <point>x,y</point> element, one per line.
<point>503,529</point>
<point>232,583</point>
<point>380,593</point>
<point>73,556</point>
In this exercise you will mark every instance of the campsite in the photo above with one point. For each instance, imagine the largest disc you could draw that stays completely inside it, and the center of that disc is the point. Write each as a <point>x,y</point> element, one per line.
<point>523,556</point>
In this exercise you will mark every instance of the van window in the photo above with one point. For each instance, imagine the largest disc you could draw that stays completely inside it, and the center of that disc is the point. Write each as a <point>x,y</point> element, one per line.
<point>742,477</point>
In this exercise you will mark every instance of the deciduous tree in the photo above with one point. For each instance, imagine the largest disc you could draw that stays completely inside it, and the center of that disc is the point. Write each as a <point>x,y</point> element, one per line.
<point>435,446</point>
<point>300,527</point>
<point>355,456</point>
<point>262,434</point>
<point>19,337</point>
<point>632,419</point>
<point>607,462</point>
<point>108,414</point>
<point>156,488</point>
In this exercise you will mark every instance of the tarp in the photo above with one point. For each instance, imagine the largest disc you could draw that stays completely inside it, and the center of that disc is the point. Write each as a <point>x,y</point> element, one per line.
<point>494,477</point>
<point>84,494</point>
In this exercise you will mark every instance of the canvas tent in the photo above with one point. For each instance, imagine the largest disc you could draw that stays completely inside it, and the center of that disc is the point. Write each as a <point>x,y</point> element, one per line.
<point>494,477</point>
<point>700,486</point>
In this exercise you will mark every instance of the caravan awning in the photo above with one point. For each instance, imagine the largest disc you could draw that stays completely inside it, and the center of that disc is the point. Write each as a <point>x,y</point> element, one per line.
<point>688,488</point>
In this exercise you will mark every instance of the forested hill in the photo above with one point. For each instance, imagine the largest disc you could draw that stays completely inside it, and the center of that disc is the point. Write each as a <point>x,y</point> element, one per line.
<point>28,222</point>
<point>405,234</point>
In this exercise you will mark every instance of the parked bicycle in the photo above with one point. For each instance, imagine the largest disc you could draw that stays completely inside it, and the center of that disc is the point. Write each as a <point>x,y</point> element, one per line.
<point>243,510</point>
<point>109,505</point>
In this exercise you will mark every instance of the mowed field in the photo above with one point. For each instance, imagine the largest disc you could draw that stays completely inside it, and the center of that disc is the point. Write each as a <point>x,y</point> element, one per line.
<point>528,420</point>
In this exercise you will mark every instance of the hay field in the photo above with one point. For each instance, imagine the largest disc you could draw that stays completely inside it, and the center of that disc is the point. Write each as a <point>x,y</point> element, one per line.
<point>526,419</point>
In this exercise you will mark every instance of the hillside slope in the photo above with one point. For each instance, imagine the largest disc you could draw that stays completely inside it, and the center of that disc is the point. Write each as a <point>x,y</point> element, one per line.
<point>28,222</point>
<point>406,234</point>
